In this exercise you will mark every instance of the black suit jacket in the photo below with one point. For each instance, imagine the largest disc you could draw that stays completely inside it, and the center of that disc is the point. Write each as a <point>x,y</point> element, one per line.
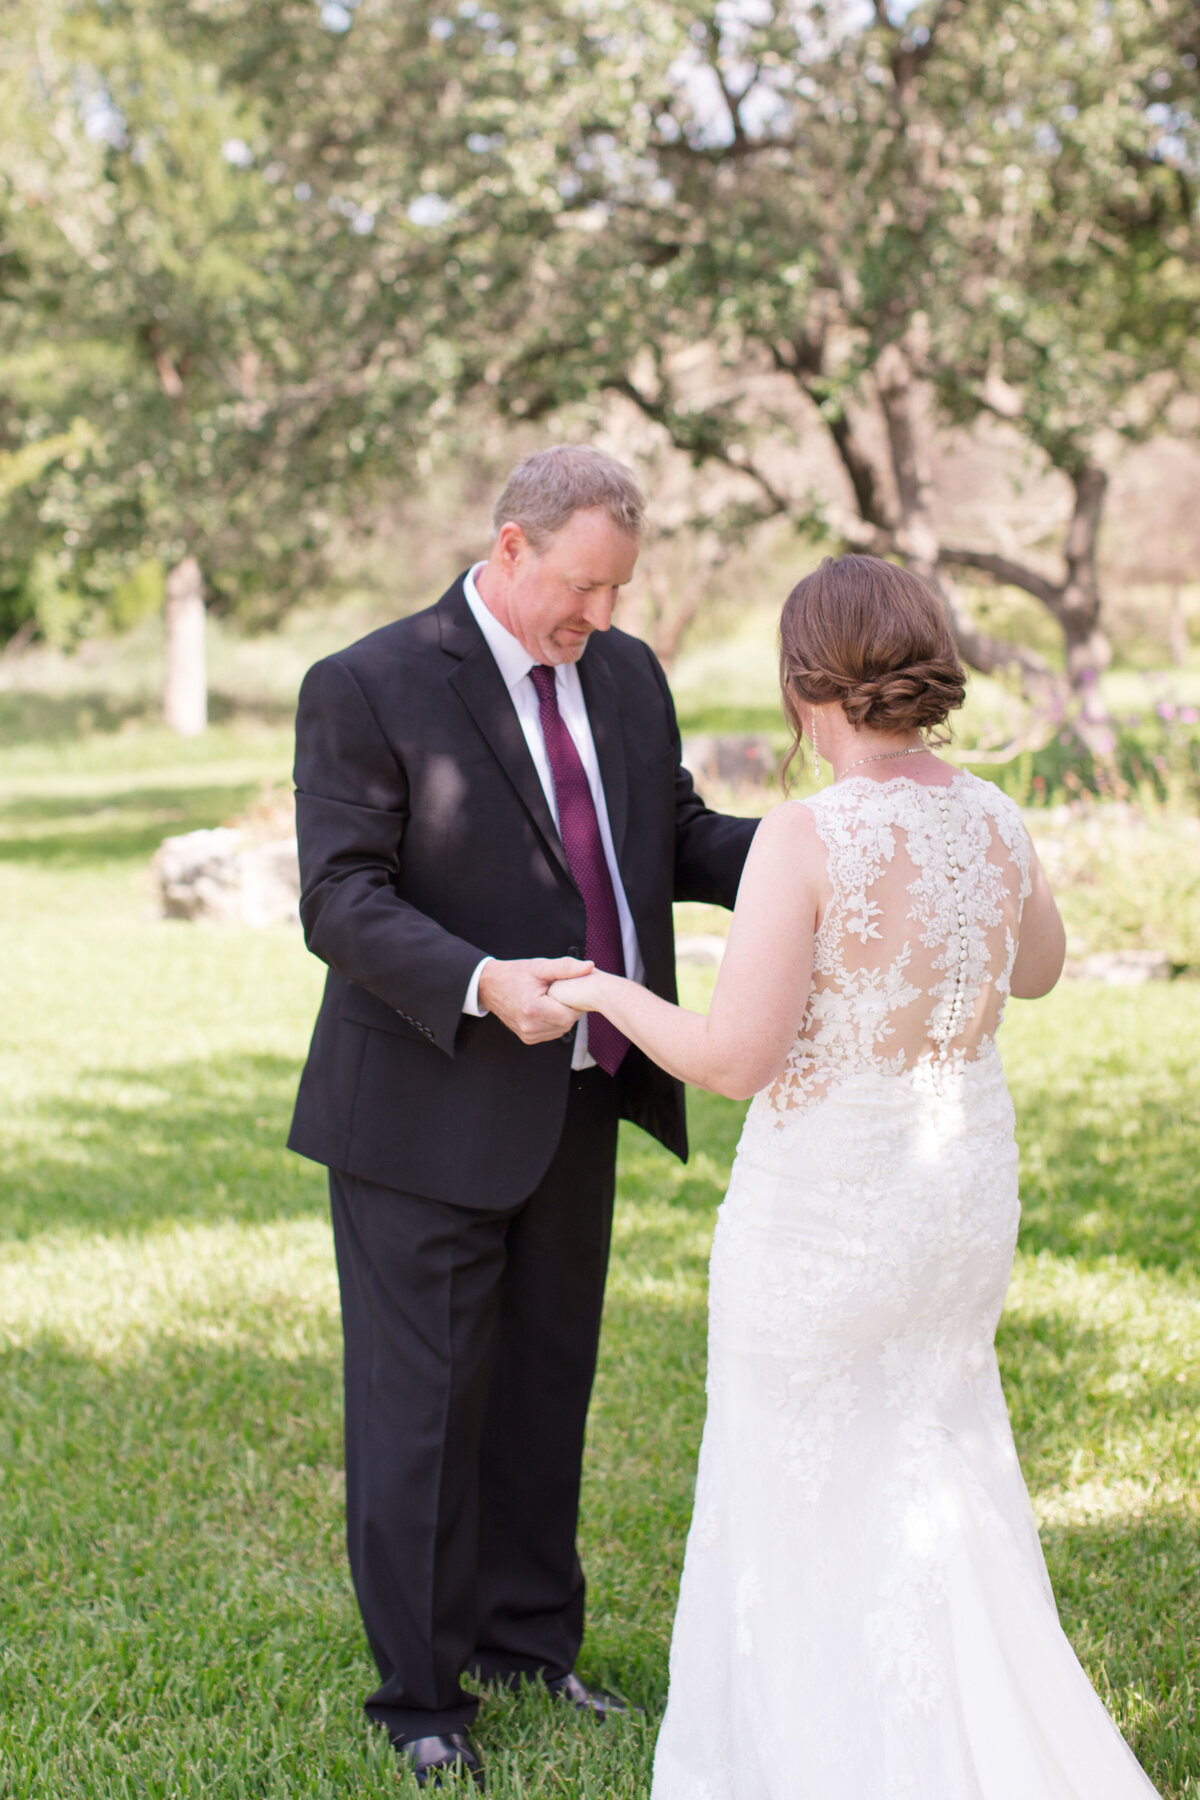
<point>426,844</point>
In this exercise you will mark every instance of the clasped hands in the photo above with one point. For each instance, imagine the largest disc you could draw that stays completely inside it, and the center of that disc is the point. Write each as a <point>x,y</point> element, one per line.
<point>539,998</point>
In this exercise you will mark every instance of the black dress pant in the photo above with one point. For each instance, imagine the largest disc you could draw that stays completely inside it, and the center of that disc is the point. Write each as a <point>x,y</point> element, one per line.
<point>470,1349</point>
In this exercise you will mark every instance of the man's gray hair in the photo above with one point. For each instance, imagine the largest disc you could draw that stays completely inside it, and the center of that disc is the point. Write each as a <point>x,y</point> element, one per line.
<point>549,487</point>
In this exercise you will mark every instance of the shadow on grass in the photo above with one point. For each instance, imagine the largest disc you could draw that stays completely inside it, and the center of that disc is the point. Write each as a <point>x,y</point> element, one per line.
<point>1119,1184</point>
<point>1128,1601</point>
<point>175,1571</point>
<point>198,1141</point>
<point>1071,1392</point>
<point>666,1210</point>
<point>177,1582</point>
<point>121,827</point>
<point>175,1554</point>
<point>203,1141</point>
<point>646,1171</point>
<point>32,717</point>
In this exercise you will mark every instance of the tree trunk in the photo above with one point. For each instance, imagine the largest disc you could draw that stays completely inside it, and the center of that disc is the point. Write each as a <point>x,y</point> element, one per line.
<point>1177,631</point>
<point>1088,650</point>
<point>1074,602</point>
<point>674,581</point>
<point>917,538</point>
<point>185,678</point>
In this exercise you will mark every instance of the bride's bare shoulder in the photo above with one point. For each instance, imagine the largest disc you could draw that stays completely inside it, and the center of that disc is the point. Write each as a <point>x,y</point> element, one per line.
<point>793,823</point>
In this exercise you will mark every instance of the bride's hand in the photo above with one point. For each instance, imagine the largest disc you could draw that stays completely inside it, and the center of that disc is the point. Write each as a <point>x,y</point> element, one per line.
<point>581,993</point>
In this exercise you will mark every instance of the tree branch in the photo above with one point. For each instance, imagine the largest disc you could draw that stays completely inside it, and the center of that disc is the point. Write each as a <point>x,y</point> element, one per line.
<point>944,14</point>
<point>704,445</point>
<point>1004,571</point>
<point>803,358</point>
<point>864,477</point>
<point>733,104</point>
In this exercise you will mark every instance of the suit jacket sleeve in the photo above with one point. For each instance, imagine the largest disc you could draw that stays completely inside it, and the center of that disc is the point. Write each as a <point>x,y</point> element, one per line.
<point>352,806</point>
<point>710,847</point>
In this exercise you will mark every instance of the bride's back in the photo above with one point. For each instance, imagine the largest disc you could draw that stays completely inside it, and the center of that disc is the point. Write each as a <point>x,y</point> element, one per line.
<point>916,942</point>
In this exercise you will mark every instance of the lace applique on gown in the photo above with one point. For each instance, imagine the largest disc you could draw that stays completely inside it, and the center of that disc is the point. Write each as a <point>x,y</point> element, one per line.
<point>865,1612</point>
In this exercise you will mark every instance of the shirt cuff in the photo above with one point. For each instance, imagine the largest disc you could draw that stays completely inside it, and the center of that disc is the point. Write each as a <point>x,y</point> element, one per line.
<point>471,1002</point>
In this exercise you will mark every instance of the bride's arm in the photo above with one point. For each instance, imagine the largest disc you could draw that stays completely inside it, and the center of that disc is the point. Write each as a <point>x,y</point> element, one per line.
<point>1041,942</point>
<point>740,1043</point>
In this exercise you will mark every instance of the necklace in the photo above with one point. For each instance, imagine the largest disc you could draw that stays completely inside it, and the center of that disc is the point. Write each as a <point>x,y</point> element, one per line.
<point>882,756</point>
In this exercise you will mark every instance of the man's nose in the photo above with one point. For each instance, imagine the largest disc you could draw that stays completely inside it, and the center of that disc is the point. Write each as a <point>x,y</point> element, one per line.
<point>599,609</point>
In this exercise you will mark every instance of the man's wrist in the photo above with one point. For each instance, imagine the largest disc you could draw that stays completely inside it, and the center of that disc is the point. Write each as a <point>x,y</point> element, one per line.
<point>472,1004</point>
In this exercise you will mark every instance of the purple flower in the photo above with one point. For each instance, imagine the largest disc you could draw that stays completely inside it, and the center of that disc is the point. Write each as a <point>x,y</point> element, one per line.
<point>1189,716</point>
<point>1165,711</point>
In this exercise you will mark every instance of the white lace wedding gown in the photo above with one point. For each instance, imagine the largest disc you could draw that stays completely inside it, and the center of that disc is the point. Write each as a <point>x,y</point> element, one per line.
<point>865,1612</point>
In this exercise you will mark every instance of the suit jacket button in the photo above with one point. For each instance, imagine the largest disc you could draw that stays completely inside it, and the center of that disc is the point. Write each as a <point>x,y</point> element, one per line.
<point>574,950</point>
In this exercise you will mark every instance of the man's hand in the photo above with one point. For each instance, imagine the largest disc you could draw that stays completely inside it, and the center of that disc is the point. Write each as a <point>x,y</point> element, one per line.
<point>516,992</point>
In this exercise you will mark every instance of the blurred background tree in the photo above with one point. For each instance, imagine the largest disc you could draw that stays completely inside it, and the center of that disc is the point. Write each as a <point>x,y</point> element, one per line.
<point>757,222</point>
<point>265,261</point>
<point>185,396</point>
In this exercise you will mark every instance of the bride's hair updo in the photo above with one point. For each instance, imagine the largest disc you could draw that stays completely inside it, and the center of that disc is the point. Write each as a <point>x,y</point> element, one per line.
<point>874,638</point>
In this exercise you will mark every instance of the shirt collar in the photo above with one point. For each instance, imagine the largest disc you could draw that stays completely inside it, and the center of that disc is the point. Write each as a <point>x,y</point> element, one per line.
<point>512,659</point>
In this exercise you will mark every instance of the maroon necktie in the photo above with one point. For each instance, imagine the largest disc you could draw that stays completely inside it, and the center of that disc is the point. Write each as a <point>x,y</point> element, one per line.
<point>580,832</point>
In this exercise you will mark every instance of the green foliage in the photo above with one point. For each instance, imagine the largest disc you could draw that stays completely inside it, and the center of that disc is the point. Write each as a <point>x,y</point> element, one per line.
<point>765,183</point>
<point>57,608</point>
<point>160,293</point>
<point>1149,766</point>
<point>139,594</point>
<point>270,253</point>
<point>1124,879</point>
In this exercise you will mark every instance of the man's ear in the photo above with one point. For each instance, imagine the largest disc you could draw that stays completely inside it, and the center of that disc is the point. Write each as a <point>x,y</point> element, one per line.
<point>513,546</point>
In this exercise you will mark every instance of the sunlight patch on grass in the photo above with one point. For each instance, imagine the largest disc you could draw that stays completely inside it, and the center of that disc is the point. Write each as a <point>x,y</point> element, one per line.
<point>266,1287</point>
<point>1102,1369</point>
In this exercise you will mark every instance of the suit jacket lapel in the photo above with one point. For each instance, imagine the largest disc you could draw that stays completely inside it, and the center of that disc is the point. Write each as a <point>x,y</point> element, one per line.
<point>481,688</point>
<point>604,716</point>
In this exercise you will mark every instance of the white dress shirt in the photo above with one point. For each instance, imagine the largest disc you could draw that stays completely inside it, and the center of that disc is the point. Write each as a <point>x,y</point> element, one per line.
<point>514,663</point>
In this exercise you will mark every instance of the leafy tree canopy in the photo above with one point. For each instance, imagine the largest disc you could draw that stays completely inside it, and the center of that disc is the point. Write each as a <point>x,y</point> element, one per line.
<point>285,246</point>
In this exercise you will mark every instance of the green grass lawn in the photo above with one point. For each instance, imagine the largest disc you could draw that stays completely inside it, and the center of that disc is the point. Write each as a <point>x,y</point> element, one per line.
<point>177,1616</point>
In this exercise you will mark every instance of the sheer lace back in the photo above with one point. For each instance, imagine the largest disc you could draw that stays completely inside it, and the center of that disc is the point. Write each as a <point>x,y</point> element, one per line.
<point>915,949</point>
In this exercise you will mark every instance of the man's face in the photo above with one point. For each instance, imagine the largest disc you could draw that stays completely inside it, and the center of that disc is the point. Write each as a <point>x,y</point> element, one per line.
<point>556,597</point>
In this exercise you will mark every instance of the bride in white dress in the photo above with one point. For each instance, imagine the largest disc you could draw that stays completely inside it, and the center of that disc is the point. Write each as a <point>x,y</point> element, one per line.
<point>865,1612</point>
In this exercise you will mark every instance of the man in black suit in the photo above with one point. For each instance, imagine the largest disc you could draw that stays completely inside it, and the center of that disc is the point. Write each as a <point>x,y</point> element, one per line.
<point>488,792</point>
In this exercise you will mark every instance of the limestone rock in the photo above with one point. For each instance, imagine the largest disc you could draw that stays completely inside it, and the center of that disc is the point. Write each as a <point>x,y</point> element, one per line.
<point>1123,968</point>
<point>705,948</point>
<point>745,760</point>
<point>230,876</point>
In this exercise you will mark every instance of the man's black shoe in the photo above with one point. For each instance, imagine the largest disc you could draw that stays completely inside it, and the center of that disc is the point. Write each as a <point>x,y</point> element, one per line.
<point>433,1759</point>
<point>585,1699</point>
